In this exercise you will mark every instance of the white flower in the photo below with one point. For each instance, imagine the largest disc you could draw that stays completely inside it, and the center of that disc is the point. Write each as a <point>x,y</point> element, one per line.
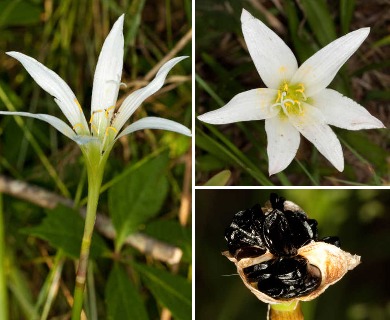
<point>296,100</point>
<point>105,123</point>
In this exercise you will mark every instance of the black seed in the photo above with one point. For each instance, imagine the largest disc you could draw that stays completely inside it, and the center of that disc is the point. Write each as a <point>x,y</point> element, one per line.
<point>284,278</point>
<point>276,202</point>
<point>249,252</point>
<point>278,235</point>
<point>245,229</point>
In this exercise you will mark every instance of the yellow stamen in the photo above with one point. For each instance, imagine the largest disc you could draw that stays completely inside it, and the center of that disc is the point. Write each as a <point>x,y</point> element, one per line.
<point>93,114</point>
<point>77,125</point>
<point>112,128</point>
<point>78,105</point>
<point>93,127</point>
<point>278,98</point>
<point>285,87</point>
<point>108,111</point>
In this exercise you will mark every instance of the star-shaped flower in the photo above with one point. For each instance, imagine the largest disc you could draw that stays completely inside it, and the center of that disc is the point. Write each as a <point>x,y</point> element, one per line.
<point>296,100</point>
<point>98,136</point>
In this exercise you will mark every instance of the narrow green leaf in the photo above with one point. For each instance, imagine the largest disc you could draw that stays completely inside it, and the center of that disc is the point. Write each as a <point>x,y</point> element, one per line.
<point>303,48</point>
<point>220,179</point>
<point>139,197</point>
<point>122,298</point>
<point>320,20</point>
<point>63,229</point>
<point>172,291</point>
<point>135,12</point>
<point>346,13</point>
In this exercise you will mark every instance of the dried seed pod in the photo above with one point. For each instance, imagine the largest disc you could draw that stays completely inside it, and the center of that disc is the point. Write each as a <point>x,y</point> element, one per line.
<point>331,261</point>
<point>278,254</point>
<point>324,260</point>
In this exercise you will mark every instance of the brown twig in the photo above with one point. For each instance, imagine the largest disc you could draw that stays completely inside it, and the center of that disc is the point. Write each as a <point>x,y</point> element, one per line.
<point>179,45</point>
<point>147,245</point>
<point>185,203</point>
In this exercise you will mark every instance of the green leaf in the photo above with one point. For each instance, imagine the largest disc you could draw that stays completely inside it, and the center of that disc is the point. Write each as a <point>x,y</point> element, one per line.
<point>346,13</point>
<point>172,232</point>
<point>172,291</point>
<point>122,298</point>
<point>14,12</point>
<point>220,179</point>
<point>320,20</point>
<point>63,229</point>
<point>137,198</point>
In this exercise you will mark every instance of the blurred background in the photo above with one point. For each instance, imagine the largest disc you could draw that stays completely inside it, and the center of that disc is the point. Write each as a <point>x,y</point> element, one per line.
<point>359,217</point>
<point>67,37</point>
<point>224,69</point>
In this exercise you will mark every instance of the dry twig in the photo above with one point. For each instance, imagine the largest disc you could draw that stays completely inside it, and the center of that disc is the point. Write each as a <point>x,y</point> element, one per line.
<point>147,245</point>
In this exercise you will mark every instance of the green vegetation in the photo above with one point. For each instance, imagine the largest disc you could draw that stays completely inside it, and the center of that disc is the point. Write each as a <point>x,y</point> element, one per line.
<point>224,69</point>
<point>140,265</point>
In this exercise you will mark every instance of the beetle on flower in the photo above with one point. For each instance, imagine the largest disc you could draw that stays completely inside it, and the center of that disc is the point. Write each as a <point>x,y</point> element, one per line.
<point>296,100</point>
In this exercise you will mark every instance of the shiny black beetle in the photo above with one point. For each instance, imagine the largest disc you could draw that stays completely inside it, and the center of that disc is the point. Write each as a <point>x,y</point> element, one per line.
<point>280,230</point>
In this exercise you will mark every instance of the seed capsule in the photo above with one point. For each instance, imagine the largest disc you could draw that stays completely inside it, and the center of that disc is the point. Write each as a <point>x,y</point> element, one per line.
<point>279,256</point>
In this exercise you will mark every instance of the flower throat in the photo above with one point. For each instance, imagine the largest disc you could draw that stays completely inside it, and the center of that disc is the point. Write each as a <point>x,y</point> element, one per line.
<point>290,97</point>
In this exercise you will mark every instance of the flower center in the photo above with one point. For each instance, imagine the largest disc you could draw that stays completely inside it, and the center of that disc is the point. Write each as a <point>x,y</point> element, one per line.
<point>290,97</point>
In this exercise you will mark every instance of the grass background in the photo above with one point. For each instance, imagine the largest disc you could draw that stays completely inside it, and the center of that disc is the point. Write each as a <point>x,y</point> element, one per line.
<point>67,37</point>
<point>358,217</point>
<point>224,69</point>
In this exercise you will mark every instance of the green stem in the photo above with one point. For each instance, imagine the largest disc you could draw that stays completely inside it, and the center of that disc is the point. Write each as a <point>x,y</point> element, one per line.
<point>285,311</point>
<point>3,283</point>
<point>95,175</point>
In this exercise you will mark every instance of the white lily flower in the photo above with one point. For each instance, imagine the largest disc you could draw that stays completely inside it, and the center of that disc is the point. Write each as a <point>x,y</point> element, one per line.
<point>105,123</point>
<point>296,100</point>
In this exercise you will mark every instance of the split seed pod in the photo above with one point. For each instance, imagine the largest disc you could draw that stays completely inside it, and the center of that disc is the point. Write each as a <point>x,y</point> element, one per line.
<point>279,256</point>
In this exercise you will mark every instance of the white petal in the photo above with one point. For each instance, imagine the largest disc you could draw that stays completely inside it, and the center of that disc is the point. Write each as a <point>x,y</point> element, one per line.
<point>108,71</point>
<point>343,112</point>
<point>317,72</point>
<point>51,82</point>
<point>60,125</point>
<point>311,123</point>
<point>134,100</point>
<point>283,142</point>
<point>254,104</point>
<point>155,123</point>
<point>273,59</point>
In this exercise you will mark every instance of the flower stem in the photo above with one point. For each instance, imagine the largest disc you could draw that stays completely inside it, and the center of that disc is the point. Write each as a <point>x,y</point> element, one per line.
<point>3,284</point>
<point>95,175</point>
<point>285,311</point>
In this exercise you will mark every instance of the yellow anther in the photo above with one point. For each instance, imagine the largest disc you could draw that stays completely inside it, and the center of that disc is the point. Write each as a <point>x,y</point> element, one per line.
<point>285,87</point>
<point>93,114</point>
<point>288,104</point>
<point>298,103</point>
<point>278,98</point>
<point>78,105</point>
<point>108,111</point>
<point>77,125</point>
<point>112,128</point>
<point>93,127</point>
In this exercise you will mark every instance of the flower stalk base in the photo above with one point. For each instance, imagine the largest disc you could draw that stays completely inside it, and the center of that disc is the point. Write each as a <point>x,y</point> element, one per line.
<point>285,311</point>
